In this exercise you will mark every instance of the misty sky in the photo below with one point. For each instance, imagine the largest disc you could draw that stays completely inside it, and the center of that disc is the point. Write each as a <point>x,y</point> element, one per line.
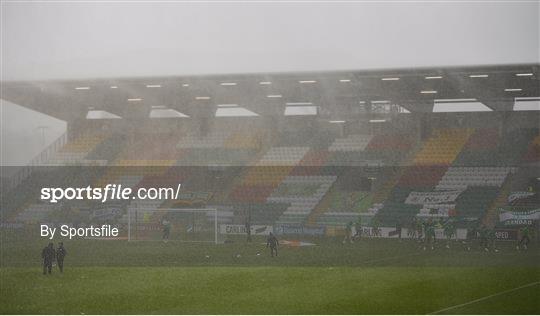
<point>85,40</point>
<point>70,40</point>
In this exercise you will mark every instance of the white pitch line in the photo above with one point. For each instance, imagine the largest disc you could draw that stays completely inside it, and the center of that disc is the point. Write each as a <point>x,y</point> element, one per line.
<point>485,297</point>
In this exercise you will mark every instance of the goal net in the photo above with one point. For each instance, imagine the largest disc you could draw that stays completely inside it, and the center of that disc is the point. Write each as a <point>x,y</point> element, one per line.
<point>179,224</point>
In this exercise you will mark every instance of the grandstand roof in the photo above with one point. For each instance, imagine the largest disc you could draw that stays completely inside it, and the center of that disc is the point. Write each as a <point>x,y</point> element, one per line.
<point>336,93</point>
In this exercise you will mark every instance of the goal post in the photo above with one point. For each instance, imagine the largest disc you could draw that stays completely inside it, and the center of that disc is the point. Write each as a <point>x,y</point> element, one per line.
<point>175,224</point>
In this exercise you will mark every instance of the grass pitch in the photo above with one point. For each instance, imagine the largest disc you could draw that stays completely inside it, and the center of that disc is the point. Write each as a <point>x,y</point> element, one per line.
<point>372,276</point>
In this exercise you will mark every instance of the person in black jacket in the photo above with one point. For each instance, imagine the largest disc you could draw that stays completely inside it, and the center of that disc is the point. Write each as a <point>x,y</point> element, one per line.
<point>48,256</point>
<point>248,229</point>
<point>60,255</point>
<point>273,243</point>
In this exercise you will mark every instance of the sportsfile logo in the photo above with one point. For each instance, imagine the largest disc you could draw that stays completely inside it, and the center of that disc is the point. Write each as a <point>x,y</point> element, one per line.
<point>109,193</point>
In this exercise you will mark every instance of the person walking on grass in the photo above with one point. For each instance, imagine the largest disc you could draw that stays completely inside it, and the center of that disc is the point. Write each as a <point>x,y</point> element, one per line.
<point>273,243</point>
<point>525,239</point>
<point>375,230</point>
<point>248,228</point>
<point>348,233</point>
<point>419,231</point>
<point>47,254</point>
<point>411,231</point>
<point>398,229</point>
<point>166,228</point>
<point>60,255</point>
<point>429,232</point>
<point>449,231</point>
<point>358,229</point>
<point>484,243</point>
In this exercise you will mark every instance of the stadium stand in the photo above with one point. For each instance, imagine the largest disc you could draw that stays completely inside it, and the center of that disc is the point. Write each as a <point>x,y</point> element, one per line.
<point>283,156</point>
<point>474,201</point>
<point>351,143</point>
<point>293,173</point>
<point>513,147</point>
<point>260,213</point>
<point>533,152</point>
<point>76,151</point>
<point>423,177</point>
<point>462,177</point>
<point>213,140</point>
<point>229,148</point>
<point>344,207</point>
<point>108,149</point>
<point>389,148</point>
<point>443,146</point>
<point>303,193</point>
<point>251,193</point>
<point>295,184</point>
<point>479,149</point>
<point>481,155</point>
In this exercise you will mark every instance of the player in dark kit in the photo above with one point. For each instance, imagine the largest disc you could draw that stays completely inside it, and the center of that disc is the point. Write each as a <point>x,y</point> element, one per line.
<point>348,233</point>
<point>60,255</point>
<point>375,230</point>
<point>484,243</point>
<point>525,238</point>
<point>398,229</point>
<point>449,232</point>
<point>411,231</point>
<point>429,232</point>
<point>248,229</point>
<point>471,236</point>
<point>358,229</point>
<point>492,237</point>
<point>419,230</point>
<point>273,243</point>
<point>166,225</point>
<point>48,256</point>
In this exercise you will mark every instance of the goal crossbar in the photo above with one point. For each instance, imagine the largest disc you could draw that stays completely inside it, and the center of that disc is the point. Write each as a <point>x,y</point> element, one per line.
<point>184,210</point>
